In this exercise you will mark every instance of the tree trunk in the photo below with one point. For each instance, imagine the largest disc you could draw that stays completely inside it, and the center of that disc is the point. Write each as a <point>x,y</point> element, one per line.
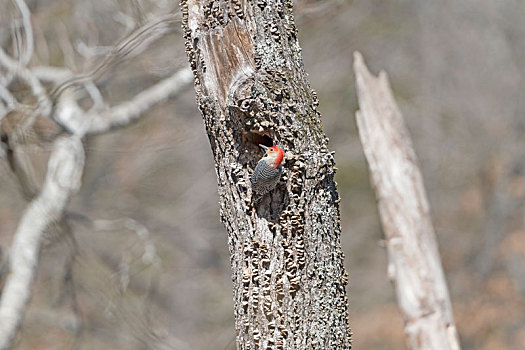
<point>287,264</point>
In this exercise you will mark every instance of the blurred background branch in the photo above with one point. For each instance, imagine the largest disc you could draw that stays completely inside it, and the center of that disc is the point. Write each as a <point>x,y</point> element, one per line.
<point>63,179</point>
<point>414,263</point>
<point>47,201</point>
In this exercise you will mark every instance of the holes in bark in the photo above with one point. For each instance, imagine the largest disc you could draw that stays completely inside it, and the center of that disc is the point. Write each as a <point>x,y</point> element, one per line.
<point>257,138</point>
<point>195,43</point>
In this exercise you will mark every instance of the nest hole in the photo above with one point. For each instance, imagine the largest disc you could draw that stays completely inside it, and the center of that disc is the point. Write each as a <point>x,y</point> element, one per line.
<point>256,138</point>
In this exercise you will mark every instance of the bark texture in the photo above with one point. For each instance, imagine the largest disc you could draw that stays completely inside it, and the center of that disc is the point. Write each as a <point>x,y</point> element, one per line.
<point>286,258</point>
<point>414,263</point>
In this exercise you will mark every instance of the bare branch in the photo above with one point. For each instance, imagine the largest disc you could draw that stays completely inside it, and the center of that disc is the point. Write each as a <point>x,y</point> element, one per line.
<point>414,263</point>
<point>134,43</point>
<point>72,117</point>
<point>26,55</point>
<point>9,101</point>
<point>57,74</point>
<point>62,180</point>
<point>95,95</point>
<point>66,162</point>
<point>51,73</point>
<point>24,74</point>
<point>18,68</point>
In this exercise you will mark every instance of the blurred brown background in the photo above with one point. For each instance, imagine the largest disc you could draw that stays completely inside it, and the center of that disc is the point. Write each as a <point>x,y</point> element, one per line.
<point>162,281</point>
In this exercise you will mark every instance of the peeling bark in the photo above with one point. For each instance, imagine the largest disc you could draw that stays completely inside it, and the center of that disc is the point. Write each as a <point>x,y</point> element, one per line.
<point>286,258</point>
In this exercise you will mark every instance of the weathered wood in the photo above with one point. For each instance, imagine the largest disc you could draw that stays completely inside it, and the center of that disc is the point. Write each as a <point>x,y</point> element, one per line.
<point>414,263</point>
<point>287,264</point>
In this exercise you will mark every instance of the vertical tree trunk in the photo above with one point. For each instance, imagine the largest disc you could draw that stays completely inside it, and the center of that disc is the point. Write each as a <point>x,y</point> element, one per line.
<point>287,264</point>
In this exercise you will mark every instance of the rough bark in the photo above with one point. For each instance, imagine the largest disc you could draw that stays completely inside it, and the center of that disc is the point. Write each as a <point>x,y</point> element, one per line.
<point>414,263</point>
<point>287,264</point>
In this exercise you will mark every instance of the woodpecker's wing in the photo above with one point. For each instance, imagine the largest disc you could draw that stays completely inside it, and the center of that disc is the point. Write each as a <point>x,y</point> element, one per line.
<point>258,170</point>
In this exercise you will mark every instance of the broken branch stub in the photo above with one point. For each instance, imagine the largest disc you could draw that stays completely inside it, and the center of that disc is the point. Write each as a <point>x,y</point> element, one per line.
<point>414,262</point>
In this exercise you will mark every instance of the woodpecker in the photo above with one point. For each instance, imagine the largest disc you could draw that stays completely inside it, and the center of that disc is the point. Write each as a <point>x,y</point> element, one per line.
<point>268,171</point>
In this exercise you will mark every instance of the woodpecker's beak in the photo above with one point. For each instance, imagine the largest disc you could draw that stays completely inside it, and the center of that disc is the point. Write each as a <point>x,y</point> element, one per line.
<point>265,148</point>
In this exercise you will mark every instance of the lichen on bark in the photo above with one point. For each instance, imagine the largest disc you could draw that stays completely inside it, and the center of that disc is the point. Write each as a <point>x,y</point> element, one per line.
<point>287,263</point>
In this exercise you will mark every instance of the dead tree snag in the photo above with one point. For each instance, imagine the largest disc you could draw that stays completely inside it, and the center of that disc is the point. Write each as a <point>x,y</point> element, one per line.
<point>414,262</point>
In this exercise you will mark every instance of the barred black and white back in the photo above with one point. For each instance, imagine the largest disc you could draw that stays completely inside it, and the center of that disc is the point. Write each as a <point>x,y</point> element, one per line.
<point>264,179</point>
